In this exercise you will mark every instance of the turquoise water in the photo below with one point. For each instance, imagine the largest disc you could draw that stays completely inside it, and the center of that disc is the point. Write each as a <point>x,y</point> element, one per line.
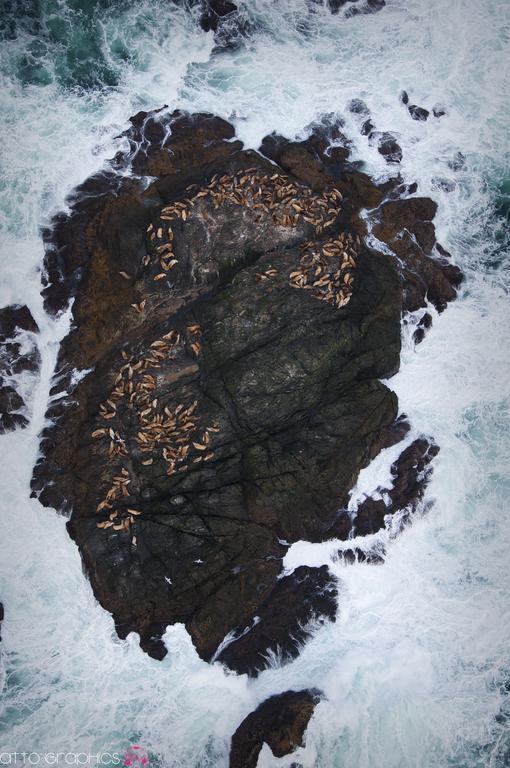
<point>416,669</point>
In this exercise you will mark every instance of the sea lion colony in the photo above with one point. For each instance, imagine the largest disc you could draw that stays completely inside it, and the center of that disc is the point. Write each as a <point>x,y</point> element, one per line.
<point>325,270</point>
<point>173,435</point>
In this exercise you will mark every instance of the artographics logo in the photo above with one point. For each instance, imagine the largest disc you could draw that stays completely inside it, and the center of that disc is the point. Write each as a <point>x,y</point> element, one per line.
<point>136,757</point>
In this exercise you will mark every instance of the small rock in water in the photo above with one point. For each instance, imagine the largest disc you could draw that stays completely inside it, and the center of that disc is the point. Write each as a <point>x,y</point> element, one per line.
<point>390,148</point>
<point>423,325</point>
<point>367,128</point>
<point>358,107</point>
<point>418,113</point>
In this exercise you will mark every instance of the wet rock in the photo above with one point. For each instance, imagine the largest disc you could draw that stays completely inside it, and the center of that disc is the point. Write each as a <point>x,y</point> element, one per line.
<point>280,722</point>
<point>1,617</point>
<point>442,251</point>
<point>357,555</point>
<point>414,214</point>
<point>438,111</point>
<point>406,227</point>
<point>367,128</point>
<point>214,11</point>
<point>410,474</point>
<point>10,403</point>
<point>424,323</point>
<point>389,148</point>
<point>418,113</point>
<point>14,319</point>
<point>15,357</point>
<point>404,97</point>
<point>232,25</point>
<point>358,107</point>
<point>368,6</point>
<point>307,596</point>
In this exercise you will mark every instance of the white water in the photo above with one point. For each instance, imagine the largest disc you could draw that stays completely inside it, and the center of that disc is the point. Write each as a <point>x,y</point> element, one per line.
<point>414,669</point>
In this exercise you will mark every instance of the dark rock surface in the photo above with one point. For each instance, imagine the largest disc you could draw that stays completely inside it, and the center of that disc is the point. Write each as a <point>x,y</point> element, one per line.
<point>280,722</point>
<point>1,617</point>
<point>308,595</point>
<point>236,328</point>
<point>214,11</point>
<point>15,318</point>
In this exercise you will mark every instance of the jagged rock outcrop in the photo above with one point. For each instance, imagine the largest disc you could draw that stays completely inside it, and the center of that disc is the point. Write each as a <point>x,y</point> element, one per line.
<point>235,327</point>
<point>280,721</point>
<point>410,473</point>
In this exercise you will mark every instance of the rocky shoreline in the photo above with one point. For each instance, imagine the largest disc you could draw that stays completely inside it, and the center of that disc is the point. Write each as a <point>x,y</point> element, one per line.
<point>220,389</point>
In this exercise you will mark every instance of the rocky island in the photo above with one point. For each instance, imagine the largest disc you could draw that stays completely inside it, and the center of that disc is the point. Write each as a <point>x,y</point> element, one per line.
<point>220,389</point>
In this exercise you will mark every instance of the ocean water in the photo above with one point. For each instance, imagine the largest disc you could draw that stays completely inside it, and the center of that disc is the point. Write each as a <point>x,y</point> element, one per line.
<point>416,670</point>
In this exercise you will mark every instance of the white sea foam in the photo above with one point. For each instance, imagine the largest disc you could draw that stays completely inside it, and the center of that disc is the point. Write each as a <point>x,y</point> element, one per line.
<point>414,667</point>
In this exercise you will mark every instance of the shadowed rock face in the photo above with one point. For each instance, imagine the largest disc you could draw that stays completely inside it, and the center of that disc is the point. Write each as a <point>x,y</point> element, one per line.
<point>235,328</point>
<point>280,721</point>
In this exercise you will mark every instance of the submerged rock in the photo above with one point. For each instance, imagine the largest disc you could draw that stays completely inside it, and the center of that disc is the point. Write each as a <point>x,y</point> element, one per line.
<point>235,327</point>
<point>280,722</point>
